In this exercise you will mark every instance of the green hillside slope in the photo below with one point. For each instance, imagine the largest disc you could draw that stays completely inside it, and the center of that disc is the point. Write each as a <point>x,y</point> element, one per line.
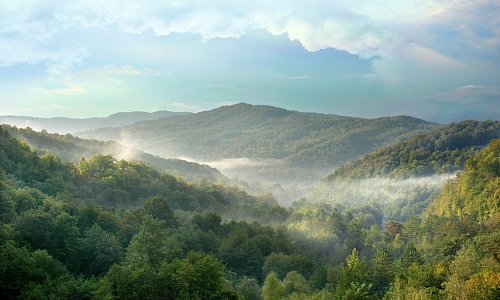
<point>444,150</point>
<point>108,229</point>
<point>282,143</point>
<point>70,149</point>
<point>476,191</point>
<point>408,176</point>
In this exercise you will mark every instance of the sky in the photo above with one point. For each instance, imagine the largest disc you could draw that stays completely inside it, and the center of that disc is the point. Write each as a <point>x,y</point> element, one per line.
<point>438,60</point>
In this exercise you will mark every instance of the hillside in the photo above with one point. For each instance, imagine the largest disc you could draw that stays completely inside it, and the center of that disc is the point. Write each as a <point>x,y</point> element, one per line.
<point>476,191</point>
<point>266,142</point>
<point>109,229</point>
<point>443,150</point>
<point>69,125</point>
<point>71,149</point>
<point>405,178</point>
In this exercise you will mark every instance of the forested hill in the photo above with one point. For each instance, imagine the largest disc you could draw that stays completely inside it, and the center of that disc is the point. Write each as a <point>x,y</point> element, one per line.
<point>476,191</point>
<point>313,142</point>
<point>69,125</point>
<point>108,229</point>
<point>71,149</point>
<point>405,178</point>
<point>444,150</point>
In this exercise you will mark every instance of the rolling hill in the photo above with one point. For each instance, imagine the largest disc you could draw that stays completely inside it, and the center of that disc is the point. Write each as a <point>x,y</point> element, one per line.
<point>408,176</point>
<point>476,191</point>
<point>444,150</point>
<point>70,149</point>
<point>263,142</point>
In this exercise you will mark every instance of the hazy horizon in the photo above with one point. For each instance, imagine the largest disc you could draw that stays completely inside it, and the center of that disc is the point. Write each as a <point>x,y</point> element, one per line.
<point>435,60</point>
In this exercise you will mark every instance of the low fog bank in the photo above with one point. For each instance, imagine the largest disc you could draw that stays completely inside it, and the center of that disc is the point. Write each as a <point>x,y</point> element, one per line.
<point>399,198</point>
<point>284,181</point>
<point>391,190</point>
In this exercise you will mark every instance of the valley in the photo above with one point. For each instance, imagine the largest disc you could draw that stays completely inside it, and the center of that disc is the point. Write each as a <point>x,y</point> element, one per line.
<point>386,208</point>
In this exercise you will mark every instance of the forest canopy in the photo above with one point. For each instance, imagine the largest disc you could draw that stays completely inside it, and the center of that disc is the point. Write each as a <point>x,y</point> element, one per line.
<point>103,228</point>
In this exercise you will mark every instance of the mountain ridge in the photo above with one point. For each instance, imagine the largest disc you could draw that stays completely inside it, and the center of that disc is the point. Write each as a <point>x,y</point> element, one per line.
<point>443,150</point>
<point>317,142</point>
<point>64,125</point>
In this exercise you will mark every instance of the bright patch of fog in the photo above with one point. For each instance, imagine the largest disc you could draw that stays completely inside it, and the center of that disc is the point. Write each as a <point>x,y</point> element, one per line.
<point>392,189</point>
<point>21,123</point>
<point>242,162</point>
<point>381,190</point>
<point>125,153</point>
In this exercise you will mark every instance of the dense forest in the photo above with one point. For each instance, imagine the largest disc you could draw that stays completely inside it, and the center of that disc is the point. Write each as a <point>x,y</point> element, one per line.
<point>103,228</point>
<point>443,150</point>
<point>407,177</point>
<point>281,145</point>
<point>70,148</point>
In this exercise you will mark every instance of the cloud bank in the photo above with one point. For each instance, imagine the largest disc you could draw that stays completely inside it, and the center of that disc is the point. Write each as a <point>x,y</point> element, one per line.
<point>367,28</point>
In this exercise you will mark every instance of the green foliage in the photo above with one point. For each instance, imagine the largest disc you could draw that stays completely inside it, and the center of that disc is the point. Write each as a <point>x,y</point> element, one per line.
<point>70,148</point>
<point>64,287</point>
<point>248,288</point>
<point>109,229</point>
<point>7,203</point>
<point>153,245</point>
<point>381,272</point>
<point>407,177</point>
<point>197,276</point>
<point>353,279</point>
<point>273,288</point>
<point>158,208</point>
<point>98,251</point>
<point>18,267</point>
<point>282,264</point>
<point>295,283</point>
<point>476,191</point>
<point>411,256</point>
<point>443,150</point>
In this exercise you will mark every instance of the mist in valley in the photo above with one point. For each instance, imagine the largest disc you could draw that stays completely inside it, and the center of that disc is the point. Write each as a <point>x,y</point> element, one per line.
<point>400,198</point>
<point>260,176</point>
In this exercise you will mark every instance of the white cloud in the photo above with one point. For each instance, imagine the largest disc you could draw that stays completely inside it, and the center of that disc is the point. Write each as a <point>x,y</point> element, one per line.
<point>471,94</point>
<point>124,70</point>
<point>359,27</point>
<point>73,89</point>
<point>186,106</point>
<point>241,162</point>
<point>413,41</point>
<point>59,107</point>
<point>225,103</point>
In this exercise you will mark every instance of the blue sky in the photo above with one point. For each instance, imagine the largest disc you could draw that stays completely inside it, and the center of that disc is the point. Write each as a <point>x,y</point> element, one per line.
<point>437,60</point>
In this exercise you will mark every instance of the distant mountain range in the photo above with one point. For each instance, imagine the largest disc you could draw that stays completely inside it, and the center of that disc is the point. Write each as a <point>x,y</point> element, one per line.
<point>70,125</point>
<point>256,142</point>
